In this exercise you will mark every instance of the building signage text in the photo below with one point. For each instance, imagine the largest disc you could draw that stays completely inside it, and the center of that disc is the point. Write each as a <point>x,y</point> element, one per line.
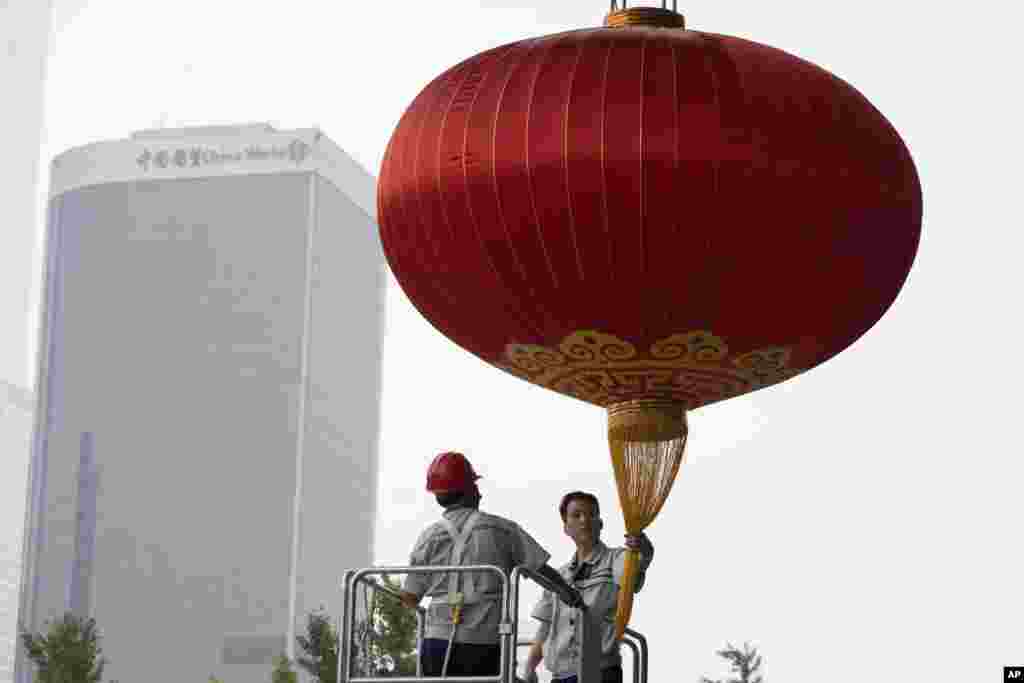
<point>192,157</point>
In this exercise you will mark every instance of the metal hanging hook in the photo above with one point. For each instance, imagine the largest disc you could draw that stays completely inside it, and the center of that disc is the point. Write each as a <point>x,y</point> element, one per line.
<point>625,4</point>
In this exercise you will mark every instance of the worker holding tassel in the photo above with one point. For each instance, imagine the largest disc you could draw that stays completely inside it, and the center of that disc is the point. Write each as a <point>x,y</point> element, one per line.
<point>596,571</point>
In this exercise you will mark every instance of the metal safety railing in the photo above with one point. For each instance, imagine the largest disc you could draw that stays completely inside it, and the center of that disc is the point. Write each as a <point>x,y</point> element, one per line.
<point>637,645</point>
<point>346,628</point>
<point>507,631</point>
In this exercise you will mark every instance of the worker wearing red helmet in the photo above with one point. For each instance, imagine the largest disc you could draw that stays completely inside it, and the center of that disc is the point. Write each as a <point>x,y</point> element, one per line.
<point>461,637</point>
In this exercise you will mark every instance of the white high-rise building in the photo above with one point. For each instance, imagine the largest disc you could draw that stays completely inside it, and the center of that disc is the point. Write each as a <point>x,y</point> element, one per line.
<point>25,41</point>
<point>16,410</point>
<point>204,465</point>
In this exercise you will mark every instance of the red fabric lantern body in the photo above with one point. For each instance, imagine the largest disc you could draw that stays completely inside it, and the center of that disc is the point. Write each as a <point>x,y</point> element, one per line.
<point>638,212</point>
<point>648,219</point>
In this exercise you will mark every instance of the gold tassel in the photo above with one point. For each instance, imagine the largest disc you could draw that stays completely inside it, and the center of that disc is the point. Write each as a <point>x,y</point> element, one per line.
<point>647,439</point>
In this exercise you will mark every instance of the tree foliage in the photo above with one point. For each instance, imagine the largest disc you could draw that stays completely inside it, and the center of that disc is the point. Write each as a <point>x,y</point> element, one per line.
<point>69,652</point>
<point>319,647</point>
<point>384,641</point>
<point>394,645</point>
<point>282,671</point>
<point>746,663</point>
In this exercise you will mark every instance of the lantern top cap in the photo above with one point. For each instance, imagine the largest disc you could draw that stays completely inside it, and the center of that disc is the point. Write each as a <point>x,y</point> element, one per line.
<point>644,16</point>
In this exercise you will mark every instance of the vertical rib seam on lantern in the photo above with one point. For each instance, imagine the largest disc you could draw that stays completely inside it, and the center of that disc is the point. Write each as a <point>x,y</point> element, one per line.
<point>512,303</point>
<point>645,320</point>
<point>549,45</point>
<point>525,47</point>
<point>716,178</point>
<point>604,162</point>
<point>565,159</point>
<point>402,158</point>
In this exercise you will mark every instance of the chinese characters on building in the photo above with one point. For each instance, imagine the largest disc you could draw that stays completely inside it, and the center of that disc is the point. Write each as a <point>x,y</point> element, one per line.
<point>192,157</point>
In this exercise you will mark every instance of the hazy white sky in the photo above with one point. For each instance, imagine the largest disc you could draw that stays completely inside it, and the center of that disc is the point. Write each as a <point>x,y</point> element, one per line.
<point>862,522</point>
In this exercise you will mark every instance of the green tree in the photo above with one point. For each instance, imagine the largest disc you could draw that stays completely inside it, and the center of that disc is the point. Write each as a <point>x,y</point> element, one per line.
<point>746,662</point>
<point>319,648</point>
<point>69,652</point>
<point>383,641</point>
<point>282,672</point>
<point>394,644</point>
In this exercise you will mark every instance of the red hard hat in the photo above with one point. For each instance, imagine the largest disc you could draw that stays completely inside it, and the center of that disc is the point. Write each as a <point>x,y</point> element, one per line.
<point>450,471</point>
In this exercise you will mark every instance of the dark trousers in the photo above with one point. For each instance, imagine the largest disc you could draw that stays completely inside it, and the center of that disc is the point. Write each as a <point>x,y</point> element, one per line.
<point>613,674</point>
<point>467,659</point>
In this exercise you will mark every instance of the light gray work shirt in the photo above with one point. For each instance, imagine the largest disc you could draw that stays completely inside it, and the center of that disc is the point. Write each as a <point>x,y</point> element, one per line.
<point>597,579</point>
<point>492,540</point>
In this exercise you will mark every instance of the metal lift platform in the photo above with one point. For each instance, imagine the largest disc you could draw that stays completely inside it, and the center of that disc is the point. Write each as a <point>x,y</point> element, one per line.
<point>590,650</point>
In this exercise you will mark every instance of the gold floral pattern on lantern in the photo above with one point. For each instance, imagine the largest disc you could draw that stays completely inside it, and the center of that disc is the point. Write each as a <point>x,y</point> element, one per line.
<point>693,368</point>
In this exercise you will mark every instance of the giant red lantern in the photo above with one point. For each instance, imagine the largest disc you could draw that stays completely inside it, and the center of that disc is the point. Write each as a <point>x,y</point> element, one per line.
<point>649,219</point>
